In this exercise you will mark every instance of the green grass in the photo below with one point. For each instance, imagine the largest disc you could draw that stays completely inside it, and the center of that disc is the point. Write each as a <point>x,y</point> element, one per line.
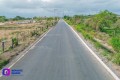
<point>115,42</point>
<point>116,58</point>
<point>105,53</point>
<point>0,51</point>
<point>3,63</point>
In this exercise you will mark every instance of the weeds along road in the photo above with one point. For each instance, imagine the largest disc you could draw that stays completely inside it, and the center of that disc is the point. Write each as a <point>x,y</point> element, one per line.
<point>59,56</point>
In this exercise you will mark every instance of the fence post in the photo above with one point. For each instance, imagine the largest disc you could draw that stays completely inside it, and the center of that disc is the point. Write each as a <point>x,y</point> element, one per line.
<point>52,24</point>
<point>42,28</point>
<point>3,46</point>
<point>12,46</point>
<point>47,26</point>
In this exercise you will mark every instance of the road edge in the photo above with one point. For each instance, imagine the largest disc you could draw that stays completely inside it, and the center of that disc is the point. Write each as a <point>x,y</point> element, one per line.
<point>95,55</point>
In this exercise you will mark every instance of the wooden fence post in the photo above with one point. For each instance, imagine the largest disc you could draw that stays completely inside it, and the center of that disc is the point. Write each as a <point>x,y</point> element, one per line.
<point>3,46</point>
<point>47,26</point>
<point>42,28</point>
<point>12,46</point>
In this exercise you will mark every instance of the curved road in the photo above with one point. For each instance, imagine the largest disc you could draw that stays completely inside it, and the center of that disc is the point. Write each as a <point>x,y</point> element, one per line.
<point>60,56</point>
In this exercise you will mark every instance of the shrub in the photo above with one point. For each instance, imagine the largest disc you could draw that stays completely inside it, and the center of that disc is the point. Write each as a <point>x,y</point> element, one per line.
<point>15,41</point>
<point>34,33</point>
<point>3,63</point>
<point>78,28</point>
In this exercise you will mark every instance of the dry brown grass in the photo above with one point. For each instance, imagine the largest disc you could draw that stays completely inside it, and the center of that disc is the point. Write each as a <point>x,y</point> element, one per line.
<point>23,33</point>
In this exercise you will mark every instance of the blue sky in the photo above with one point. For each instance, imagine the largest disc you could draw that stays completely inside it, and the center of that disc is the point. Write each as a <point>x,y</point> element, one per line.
<point>30,8</point>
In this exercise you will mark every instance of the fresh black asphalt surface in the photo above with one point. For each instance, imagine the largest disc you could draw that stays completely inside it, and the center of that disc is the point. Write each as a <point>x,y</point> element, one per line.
<point>59,56</point>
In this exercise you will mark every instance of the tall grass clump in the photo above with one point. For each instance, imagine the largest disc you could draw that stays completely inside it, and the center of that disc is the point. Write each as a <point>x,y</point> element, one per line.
<point>15,41</point>
<point>116,58</point>
<point>3,63</point>
<point>115,42</point>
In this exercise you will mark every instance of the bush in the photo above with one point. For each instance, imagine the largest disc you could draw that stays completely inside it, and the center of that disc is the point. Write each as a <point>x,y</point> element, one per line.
<point>81,28</point>
<point>104,19</point>
<point>15,41</point>
<point>34,33</point>
<point>115,42</point>
<point>78,28</point>
<point>3,63</point>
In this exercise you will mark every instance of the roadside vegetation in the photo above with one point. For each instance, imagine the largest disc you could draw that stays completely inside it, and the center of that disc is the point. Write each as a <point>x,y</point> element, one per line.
<point>102,29</point>
<point>18,33</point>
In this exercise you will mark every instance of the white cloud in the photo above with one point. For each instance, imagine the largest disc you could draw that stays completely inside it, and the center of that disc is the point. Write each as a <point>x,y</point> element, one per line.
<point>49,1</point>
<point>29,0</point>
<point>46,7</point>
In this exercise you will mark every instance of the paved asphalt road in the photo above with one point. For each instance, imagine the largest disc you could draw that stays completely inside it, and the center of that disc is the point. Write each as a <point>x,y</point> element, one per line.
<point>60,56</point>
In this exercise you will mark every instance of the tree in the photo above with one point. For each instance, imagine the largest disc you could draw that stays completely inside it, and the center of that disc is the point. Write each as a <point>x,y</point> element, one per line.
<point>18,18</point>
<point>3,19</point>
<point>104,19</point>
<point>67,17</point>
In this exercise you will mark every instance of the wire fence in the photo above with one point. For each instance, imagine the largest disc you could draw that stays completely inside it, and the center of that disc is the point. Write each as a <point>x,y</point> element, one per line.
<point>22,38</point>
